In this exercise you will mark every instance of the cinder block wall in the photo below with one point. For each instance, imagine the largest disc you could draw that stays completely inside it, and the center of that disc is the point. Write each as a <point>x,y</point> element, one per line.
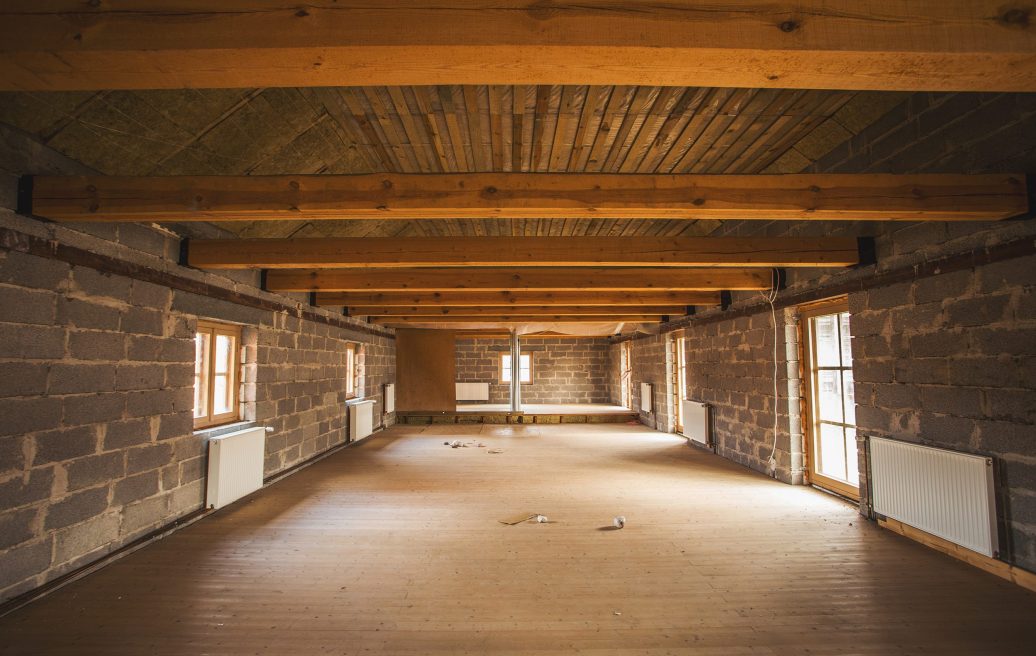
<point>563,370</point>
<point>650,363</point>
<point>97,446</point>
<point>946,360</point>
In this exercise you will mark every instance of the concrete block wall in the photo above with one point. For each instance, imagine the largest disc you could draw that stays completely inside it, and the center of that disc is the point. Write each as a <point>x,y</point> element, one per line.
<point>945,360</point>
<point>97,446</point>
<point>563,370</point>
<point>950,361</point>
<point>651,362</point>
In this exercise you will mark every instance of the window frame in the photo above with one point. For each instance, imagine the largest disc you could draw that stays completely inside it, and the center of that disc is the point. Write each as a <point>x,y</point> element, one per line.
<point>520,356</point>
<point>214,329</point>
<point>680,357</point>
<point>351,371</point>
<point>809,401</point>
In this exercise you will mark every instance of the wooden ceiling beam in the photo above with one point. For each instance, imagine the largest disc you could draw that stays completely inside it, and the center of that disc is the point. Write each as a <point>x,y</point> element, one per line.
<point>505,299</point>
<point>372,252</point>
<point>926,45</point>
<point>514,318</point>
<point>433,312</point>
<point>586,279</point>
<point>870,196</point>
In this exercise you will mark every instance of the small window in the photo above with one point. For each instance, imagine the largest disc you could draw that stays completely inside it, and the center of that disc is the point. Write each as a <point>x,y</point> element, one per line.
<point>350,371</point>
<point>524,373</point>
<point>217,363</point>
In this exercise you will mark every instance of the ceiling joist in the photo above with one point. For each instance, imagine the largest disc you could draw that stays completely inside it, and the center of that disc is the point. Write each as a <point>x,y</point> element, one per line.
<point>515,299</point>
<point>516,318</point>
<point>531,310</point>
<point>384,252</point>
<point>936,45</point>
<point>502,279</point>
<point>919,197</point>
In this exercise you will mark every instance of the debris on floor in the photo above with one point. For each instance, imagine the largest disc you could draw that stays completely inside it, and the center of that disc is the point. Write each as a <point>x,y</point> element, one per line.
<point>525,517</point>
<point>495,451</point>
<point>456,444</point>
<point>619,521</point>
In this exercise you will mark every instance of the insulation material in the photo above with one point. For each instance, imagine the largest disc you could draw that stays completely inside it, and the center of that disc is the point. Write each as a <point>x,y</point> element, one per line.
<point>580,329</point>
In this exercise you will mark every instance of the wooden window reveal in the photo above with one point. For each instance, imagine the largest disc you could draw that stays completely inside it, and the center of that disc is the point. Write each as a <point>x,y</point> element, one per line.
<point>217,369</point>
<point>351,373</point>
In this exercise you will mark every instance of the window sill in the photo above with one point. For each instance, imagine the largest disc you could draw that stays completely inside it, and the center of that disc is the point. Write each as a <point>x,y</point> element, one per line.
<point>216,431</point>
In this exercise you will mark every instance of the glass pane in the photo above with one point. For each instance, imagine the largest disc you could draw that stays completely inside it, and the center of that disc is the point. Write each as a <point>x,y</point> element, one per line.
<point>221,396</point>
<point>852,457</point>
<point>201,371</point>
<point>850,396</point>
<point>829,396</point>
<point>832,452</point>
<point>847,351</point>
<point>505,368</point>
<point>224,346</point>
<point>825,329</point>
<point>525,373</point>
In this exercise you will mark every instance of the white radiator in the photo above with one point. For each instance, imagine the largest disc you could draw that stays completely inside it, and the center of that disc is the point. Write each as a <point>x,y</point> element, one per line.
<point>361,419</point>
<point>390,397</point>
<point>235,465</point>
<point>695,417</point>
<point>945,493</point>
<point>647,399</point>
<point>472,391</point>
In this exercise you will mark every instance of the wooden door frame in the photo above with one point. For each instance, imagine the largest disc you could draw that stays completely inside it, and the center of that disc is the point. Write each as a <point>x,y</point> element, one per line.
<point>807,341</point>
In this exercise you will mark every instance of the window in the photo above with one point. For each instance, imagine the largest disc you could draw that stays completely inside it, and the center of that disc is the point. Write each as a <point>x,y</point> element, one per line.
<point>217,363</point>
<point>350,371</point>
<point>833,457</point>
<point>525,370</point>
<point>681,379</point>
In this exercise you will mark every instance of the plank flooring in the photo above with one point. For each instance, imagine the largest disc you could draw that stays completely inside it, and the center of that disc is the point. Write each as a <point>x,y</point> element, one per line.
<point>394,547</point>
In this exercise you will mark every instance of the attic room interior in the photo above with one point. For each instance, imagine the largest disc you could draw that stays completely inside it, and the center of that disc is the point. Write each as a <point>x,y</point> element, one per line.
<point>517,327</point>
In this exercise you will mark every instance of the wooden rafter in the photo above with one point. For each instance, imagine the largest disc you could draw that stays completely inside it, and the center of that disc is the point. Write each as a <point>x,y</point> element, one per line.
<point>947,45</point>
<point>478,298</point>
<point>370,252</point>
<point>938,197</point>
<point>528,310</point>
<point>537,279</point>
<point>516,318</point>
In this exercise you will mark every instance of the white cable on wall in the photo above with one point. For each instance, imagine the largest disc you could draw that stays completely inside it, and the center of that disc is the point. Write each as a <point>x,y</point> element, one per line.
<point>770,297</point>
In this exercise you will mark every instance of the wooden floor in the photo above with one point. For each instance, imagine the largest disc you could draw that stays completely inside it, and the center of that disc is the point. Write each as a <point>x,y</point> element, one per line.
<point>394,547</point>
<point>548,408</point>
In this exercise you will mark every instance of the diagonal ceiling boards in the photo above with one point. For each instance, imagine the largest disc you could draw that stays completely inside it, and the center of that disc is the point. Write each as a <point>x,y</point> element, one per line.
<point>961,45</point>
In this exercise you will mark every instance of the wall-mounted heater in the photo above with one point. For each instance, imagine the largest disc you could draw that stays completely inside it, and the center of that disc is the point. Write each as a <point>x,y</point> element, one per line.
<point>390,397</point>
<point>472,391</point>
<point>944,493</point>
<point>695,417</point>
<point>235,465</point>
<point>647,398</point>
<point>361,419</point>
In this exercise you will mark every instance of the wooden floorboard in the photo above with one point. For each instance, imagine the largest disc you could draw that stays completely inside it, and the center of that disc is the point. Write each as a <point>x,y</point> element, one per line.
<point>394,547</point>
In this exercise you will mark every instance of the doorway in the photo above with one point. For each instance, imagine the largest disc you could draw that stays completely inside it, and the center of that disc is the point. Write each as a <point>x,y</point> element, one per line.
<point>626,373</point>
<point>830,403</point>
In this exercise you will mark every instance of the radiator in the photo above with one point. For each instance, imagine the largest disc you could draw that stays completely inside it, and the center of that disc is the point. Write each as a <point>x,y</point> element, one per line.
<point>472,391</point>
<point>361,420</point>
<point>695,416</point>
<point>235,465</point>
<point>646,398</point>
<point>390,397</point>
<point>944,493</point>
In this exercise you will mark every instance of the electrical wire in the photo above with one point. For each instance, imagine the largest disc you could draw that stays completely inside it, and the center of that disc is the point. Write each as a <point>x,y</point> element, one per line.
<point>770,297</point>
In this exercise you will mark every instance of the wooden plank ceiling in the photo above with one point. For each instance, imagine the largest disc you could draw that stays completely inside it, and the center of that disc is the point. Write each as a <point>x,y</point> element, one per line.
<point>437,129</point>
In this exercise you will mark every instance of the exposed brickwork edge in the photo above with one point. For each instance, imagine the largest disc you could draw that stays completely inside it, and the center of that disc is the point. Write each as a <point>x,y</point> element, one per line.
<point>17,241</point>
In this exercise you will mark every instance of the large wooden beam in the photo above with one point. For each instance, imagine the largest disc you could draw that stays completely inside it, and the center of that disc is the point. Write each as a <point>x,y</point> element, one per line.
<point>363,252</point>
<point>529,310</point>
<point>480,298</point>
<point>927,197</point>
<point>515,318</point>
<point>541,279</point>
<point>944,45</point>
